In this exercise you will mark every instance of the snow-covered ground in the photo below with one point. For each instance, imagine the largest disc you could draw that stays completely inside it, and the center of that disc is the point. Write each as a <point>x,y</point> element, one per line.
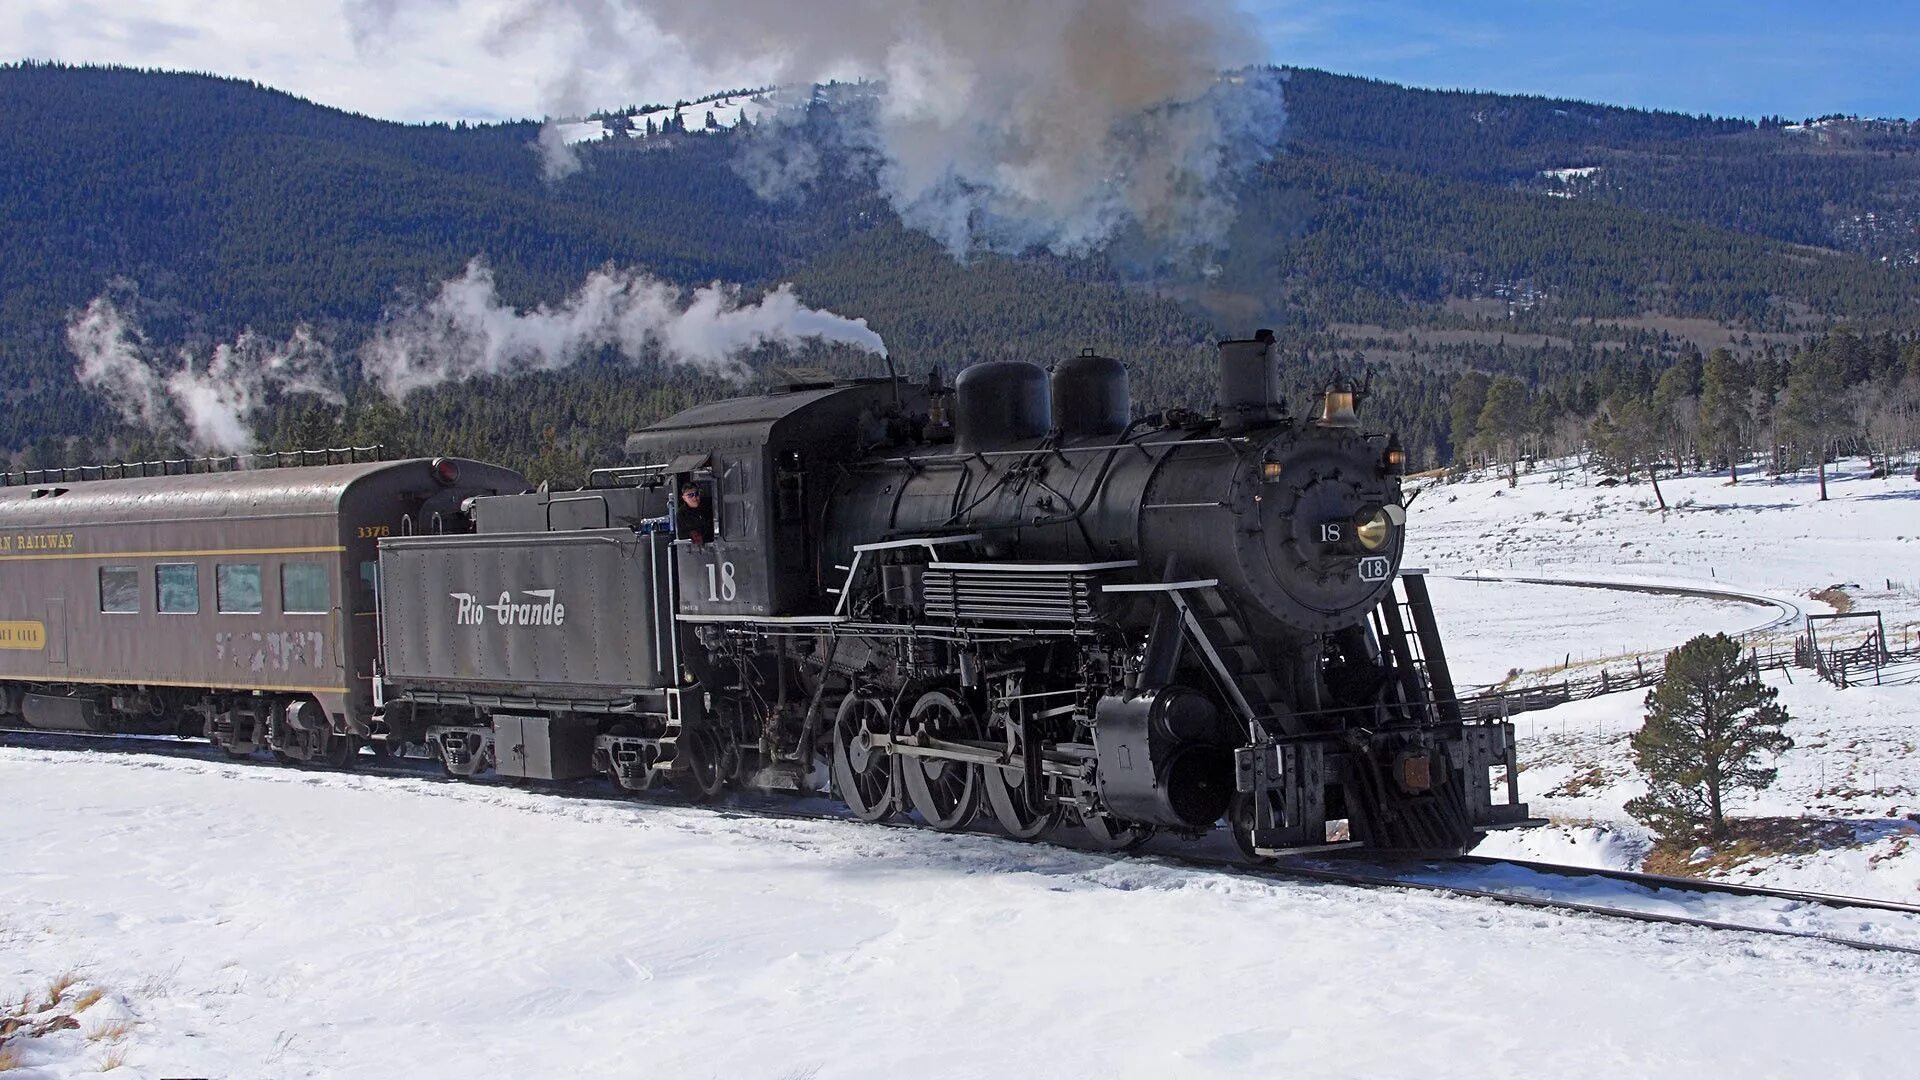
<point>1853,775</point>
<point>1767,536</point>
<point>1849,785</point>
<point>727,110</point>
<point>271,922</point>
<point>1495,628</point>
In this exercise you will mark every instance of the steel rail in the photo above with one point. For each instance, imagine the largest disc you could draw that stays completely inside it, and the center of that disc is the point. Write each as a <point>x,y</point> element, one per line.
<point>1697,885</point>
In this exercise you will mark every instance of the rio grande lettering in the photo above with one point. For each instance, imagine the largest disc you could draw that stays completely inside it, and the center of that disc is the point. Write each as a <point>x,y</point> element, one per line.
<point>544,610</point>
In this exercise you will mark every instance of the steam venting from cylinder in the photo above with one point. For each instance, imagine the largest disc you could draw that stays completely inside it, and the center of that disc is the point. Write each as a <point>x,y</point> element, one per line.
<point>1000,402</point>
<point>1090,397</point>
<point>1249,380</point>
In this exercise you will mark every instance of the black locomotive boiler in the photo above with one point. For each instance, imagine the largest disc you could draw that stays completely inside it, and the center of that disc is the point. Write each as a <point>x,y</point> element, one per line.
<point>1010,595</point>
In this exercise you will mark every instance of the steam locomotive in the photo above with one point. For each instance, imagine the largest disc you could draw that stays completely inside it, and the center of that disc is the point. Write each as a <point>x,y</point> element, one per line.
<point>1009,596</point>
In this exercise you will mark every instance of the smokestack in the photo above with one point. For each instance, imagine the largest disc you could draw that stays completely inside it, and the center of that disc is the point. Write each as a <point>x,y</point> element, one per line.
<point>1249,380</point>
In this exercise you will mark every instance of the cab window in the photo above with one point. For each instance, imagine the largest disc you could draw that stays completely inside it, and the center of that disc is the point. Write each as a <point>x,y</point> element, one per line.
<point>696,511</point>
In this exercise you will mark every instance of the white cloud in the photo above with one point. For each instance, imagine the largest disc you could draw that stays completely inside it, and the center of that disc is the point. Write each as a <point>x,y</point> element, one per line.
<point>450,60</point>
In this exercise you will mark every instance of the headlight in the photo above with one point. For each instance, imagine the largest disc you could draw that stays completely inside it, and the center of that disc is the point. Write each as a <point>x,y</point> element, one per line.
<point>1374,532</point>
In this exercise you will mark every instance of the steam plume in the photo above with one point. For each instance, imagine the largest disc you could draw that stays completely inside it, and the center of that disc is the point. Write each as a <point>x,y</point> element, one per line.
<point>205,402</point>
<point>466,330</point>
<point>557,160</point>
<point>1001,124</point>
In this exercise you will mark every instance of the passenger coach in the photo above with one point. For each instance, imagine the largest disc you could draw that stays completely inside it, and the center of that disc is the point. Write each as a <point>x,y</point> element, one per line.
<point>240,605</point>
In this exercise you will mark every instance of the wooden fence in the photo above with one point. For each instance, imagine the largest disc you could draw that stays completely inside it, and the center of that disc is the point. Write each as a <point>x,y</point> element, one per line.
<point>1843,667</point>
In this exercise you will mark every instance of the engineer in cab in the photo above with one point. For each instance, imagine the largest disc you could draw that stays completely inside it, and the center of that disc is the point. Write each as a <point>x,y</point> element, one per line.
<point>695,516</point>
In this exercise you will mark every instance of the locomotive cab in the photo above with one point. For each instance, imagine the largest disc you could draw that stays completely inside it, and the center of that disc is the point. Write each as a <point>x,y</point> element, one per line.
<point>761,467</point>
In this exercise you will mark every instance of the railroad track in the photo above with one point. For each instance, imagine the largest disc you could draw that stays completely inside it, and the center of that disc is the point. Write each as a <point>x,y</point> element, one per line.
<point>1472,877</point>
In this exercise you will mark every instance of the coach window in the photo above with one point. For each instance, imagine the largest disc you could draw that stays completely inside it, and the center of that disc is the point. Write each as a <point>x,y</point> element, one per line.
<point>303,588</point>
<point>177,587</point>
<point>120,590</point>
<point>237,588</point>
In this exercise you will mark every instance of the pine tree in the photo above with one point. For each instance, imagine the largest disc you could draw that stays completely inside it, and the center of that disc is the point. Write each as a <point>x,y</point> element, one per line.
<point>1625,433</point>
<point>1673,413</point>
<point>1815,408</point>
<point>1723,408</point>
<point>1707,724</point>
<point>1504,419</point>
<point>1464,404</point>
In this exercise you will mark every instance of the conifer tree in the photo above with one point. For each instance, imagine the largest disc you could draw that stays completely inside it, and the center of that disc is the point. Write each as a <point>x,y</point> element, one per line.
<point>1504,419</point>
<point>1815,407</point>
<point>1707,724</point>
<point>1467,399</point>
<point>1723,408</point>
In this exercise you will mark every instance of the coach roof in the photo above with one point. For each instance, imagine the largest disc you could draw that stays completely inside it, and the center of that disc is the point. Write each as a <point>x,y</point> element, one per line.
<point>274,492</point>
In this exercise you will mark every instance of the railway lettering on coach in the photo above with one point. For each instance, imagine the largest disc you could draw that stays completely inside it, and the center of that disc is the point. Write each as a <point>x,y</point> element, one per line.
<point>543,610</point>
<point>36,542</point>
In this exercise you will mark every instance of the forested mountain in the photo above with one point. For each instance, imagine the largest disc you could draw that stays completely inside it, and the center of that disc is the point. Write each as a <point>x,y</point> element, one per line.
<point>1418,233</point>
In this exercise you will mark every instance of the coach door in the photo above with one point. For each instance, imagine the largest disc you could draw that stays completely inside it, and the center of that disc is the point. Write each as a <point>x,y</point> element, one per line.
<point>57,630</point>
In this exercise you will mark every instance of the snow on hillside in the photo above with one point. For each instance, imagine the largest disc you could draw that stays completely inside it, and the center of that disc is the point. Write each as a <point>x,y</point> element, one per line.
<point>276,922</point>
<point>1494,628</point>
<point>1569,182</point>
<point>1854,769</point>
<point>1840,818</point>
<point>726,110</point>
<point>1768,536</point>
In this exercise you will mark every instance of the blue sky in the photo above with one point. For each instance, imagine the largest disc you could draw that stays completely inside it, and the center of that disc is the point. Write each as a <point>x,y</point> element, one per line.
<point>1759,57</point>
<point>442,60</point>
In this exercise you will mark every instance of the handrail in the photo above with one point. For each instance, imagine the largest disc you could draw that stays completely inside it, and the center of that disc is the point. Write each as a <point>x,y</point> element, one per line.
<point>126,470</point>
<point>860,551</point>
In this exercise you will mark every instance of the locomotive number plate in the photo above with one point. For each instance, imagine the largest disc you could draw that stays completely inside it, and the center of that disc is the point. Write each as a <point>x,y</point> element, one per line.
<point>1375,568</point>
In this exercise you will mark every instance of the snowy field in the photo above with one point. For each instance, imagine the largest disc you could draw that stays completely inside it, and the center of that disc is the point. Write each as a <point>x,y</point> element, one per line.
<point>1853,771</point>
<point>1493,628</point>
<point>1853,776</point>
<point>1766,536</point>
<point>270,922</point>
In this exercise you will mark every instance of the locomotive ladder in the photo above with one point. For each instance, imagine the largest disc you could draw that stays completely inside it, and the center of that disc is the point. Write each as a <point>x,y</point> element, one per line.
<point>1411,637</point>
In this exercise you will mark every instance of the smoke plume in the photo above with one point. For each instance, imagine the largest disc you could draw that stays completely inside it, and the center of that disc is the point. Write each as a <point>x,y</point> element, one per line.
<point>204,401</point>
<point>466,330</point>
<point>557,160</point>
<point>1000,124</point>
